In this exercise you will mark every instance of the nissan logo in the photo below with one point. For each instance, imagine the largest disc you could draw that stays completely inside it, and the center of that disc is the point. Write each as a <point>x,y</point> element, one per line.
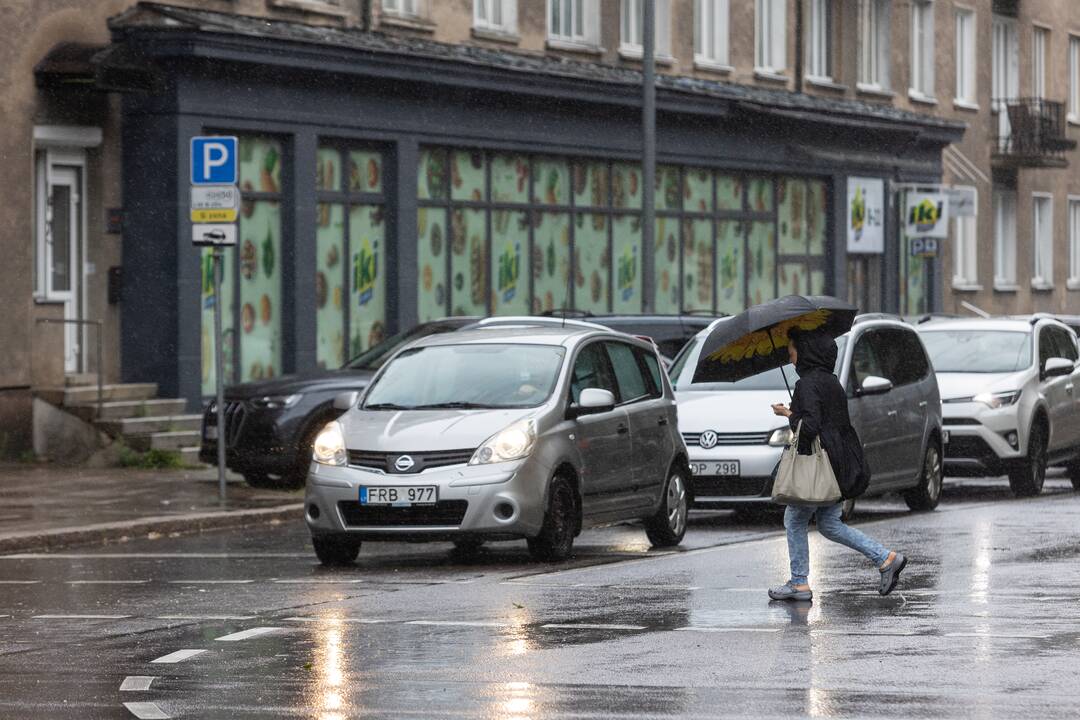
<point>708,439</point>
<point>404,463</point>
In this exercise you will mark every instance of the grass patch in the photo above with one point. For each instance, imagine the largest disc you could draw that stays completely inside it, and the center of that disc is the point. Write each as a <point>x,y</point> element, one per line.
<point>153,459</point>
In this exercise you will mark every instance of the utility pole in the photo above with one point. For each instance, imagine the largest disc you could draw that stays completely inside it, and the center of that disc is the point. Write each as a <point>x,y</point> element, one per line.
<point>648,153</point>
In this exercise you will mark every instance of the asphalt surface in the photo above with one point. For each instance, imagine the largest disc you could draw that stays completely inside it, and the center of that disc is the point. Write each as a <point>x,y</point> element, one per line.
<point>244,623</point>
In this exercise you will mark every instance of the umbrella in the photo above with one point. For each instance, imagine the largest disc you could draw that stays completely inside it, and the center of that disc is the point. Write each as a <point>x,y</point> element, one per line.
<point>756,339</point>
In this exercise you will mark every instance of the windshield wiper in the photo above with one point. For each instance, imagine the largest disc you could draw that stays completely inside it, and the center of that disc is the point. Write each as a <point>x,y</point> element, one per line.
<point>456,405</point>
<point>387,406</point>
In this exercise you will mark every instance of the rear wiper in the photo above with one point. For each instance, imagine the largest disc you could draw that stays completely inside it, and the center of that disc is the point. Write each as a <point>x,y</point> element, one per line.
<point>452,406</point>
<point>387,406</point>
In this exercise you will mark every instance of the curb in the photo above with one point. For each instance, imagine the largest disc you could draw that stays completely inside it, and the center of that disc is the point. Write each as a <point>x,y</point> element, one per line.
<point>188,523</point>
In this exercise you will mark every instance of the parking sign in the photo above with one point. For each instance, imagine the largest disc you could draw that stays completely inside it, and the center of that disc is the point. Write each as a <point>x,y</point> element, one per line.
<point>213,160</point>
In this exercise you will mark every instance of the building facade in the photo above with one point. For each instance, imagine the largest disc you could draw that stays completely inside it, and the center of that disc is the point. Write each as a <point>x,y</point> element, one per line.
<point>407,159</point>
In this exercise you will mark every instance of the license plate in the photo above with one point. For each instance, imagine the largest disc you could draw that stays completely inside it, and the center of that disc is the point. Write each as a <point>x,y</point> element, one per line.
<point>720,468</point>
<point>401,495</point>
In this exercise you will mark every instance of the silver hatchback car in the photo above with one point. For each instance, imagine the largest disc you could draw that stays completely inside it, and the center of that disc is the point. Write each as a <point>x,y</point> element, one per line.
<point>507,432</point>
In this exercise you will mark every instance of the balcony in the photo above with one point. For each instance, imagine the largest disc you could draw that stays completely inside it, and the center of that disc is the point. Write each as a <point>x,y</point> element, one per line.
<point>1031,133</point>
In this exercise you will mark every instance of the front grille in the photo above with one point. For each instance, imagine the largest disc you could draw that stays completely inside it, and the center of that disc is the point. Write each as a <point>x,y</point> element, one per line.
<point>722,439</point>
<point>959,421</point>
<point>706,486</point>
<point>235,413</point>
<point>388,462</point>
<point>967,446</point>
<point>444,513</point>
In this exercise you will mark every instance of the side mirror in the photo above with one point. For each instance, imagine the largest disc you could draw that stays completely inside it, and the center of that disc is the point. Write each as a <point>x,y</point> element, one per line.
<point>346,400</point>
<point>1058,366</point>
<point>874,385</point>
<point>592,401</point>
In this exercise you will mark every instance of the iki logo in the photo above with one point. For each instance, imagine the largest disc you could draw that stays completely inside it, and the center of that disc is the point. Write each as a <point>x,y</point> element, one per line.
<point>628,272</point>
<point>365,271</point>
<point>509,271</point>
<point>925,215</point>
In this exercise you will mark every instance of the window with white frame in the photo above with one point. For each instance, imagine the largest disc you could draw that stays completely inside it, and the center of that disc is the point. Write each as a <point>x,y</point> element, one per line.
<point>1042,234</point>
<point>495,15</point>
<point>404,8</point>
<point>965,252</point>
<point>874,44</point>
<point>573,21</point>
<point>631,16</point>
<point>1005,61</point>
<point>1074,78</point>
<point>819,42</point>
<point>965,56</point>
<point>1074,243</point>
<point>711,31</point>
<point>922,48</point>
<point>771,41</point>
<point>1004,238</point>
<point>1040,41</point>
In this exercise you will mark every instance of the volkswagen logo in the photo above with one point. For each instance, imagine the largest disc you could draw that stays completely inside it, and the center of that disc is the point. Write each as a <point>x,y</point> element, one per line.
<point>404,463</point>
<point>708,440</point>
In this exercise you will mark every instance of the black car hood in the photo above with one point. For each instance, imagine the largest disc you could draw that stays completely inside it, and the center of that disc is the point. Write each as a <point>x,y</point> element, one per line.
<point>324,381</point>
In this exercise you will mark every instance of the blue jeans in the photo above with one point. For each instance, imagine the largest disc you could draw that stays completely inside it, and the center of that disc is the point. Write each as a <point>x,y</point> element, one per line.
<point>829,524</point>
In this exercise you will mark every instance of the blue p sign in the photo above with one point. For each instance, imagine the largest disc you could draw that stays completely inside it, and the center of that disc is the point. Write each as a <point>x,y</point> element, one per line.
<point>213,160</point>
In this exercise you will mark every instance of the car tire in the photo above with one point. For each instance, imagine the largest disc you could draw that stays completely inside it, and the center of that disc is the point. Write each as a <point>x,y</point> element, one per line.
<point>1027,480</point>
<point>262,481</point>
<point>927,494</point>
<point>556,538</point>
<point>336,551</point>
<point>668,526</point>
<point>847,509</point>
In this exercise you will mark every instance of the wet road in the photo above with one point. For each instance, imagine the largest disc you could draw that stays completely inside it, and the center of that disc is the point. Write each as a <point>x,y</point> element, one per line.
<point>245,624</point>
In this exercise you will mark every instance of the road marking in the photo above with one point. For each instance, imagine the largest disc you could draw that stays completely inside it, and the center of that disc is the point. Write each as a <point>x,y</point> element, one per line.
<point>146,711</point>
<point>317,581</point>
<point>246,634</point>
<point>19,582</point>
<point>178,656</point>
<point>332,620</point>
<point>79,617</point>
<point>715,629</point>
<point>997,636</point>
<point>210,582</point>
<point>205,617</point>
<point>612,586</point>
<point>871,633</point>
<point>107,582</point>
<point>136,683</point>
<point>145,555</point>
<point>458,623</point>
<point>591,626</point>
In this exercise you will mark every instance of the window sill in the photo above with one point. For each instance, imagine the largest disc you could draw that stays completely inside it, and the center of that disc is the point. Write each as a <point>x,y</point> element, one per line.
<point>916,96</point>
<point>1072,284</point>
<point>492,35</point>
<point>824,82</point>
<point>770,75</point>
<point>967,287</point>
<point>43,300</point>
<point>1041,285</point>
<point>712,66</point>
<point>633,52</point>
<point>407,22</point>
<point>575,47</point>
<point>1003,287</point>
<point>965,105</point>
<point>312,7</point>
<point>1073,120</point>
<point>875,91</point>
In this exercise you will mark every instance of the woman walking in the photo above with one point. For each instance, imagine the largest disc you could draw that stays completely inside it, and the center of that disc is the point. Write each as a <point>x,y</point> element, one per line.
<point>820,404</point>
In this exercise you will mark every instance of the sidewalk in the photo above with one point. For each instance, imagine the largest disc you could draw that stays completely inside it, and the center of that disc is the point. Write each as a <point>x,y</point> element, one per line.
<point>47,507</point>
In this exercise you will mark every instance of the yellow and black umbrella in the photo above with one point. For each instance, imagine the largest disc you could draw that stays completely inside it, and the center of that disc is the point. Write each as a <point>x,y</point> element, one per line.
<point>756,339</point>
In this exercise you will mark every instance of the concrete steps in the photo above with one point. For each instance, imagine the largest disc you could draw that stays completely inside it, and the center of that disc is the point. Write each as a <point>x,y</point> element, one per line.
<point>174,440</point>
<point>87,395</point>
<point>122,409</point>
<point>148,425</point>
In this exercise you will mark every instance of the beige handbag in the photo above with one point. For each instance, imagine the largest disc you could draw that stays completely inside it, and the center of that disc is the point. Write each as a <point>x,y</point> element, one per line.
<point>805,479</point>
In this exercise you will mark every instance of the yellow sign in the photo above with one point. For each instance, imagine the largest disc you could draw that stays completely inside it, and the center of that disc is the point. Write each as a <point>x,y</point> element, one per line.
<point>219,215</point>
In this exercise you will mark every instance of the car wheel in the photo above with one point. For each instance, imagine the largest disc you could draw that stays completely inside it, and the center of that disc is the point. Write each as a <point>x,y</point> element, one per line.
<point>467,545</point>
<point>927,494</point>
<point>668,526</point>
<point>261,481</point>
<point>1027,480</point>
<point>1073,471</point>
<point>847,509</point>
<point>556,538</point>
<point>336,550</point>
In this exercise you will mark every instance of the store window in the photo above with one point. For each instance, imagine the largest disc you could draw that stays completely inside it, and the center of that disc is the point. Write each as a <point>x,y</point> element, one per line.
<point>251,283</point>
<point>711,32</point>
<point>771,29</point>
<point>873,48</point>
<point>922,48</point>
<point>350,239</point>
<point>819,40</point>
<point>965,57</point>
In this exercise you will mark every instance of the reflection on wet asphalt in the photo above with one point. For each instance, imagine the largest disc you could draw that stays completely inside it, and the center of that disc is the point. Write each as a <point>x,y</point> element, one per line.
<point>983,625</point>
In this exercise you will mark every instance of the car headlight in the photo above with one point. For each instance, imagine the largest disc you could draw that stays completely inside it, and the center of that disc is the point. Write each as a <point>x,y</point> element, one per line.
<point>781,437</point>
<point>276,402</point>
<point>997,400</point>
<point>329,446</point>
<point>513,443</point>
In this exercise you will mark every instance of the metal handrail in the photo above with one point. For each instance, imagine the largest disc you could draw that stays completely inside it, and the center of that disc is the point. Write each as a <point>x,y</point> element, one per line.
<point>100,325</point>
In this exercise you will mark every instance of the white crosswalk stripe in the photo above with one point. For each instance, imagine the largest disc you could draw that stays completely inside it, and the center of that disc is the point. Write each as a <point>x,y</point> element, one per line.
<point>247,634</point>
<point>590,626</point>
<point>178,656</point>
<point>136,683</point>
<point>146,711</point>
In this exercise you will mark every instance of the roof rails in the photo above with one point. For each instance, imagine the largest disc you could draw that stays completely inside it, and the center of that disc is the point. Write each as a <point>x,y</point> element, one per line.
<point>1036,317</point>
<point>566,313</point>
<point>535,321</point>
<point>875,316</point>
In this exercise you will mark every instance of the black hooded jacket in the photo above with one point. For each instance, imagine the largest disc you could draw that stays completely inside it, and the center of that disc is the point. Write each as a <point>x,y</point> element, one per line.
<point>820,404</point>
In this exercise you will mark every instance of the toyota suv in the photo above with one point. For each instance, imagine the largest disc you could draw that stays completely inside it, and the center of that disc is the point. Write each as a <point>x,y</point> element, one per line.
<point>735,440</point>
<point>502,432</point>
<point>1009,395</point>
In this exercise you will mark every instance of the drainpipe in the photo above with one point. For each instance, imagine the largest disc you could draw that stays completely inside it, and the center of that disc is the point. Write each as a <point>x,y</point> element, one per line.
<point>800,46</point>
<point>648,154</point>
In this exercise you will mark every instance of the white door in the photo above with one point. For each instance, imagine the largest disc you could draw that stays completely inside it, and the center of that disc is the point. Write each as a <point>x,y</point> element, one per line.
<point>63,243</point>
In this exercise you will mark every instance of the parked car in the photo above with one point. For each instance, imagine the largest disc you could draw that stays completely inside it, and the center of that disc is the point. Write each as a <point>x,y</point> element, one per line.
<point>669,332</point>
<point>1008,389</point>
<point>270,424</point>
<point>502,432</point>
<point>735,441</point>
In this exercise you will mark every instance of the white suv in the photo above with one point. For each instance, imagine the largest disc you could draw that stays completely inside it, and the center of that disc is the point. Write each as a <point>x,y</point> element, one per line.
<point>1009,397</point>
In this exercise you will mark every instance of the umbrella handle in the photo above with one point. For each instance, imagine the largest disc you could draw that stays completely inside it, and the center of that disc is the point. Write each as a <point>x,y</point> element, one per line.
<point>786,382</point>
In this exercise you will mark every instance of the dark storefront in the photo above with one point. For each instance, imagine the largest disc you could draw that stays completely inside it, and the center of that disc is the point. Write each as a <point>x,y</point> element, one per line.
<point>388,181</point>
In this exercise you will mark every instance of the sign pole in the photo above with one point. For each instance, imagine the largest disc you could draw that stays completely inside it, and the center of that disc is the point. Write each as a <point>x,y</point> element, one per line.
<point>219,368</point>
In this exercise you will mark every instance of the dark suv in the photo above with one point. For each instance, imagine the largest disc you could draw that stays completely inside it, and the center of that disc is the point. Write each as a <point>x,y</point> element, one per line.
<point>270,424</point>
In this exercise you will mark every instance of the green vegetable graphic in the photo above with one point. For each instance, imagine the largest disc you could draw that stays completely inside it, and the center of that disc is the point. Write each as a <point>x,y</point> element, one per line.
<point>268,254</point>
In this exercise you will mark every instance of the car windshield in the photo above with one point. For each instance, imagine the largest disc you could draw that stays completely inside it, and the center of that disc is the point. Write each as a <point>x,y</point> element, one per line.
<point>471,376</point>
<point>376,356</point>
<point>682,372</point>
<point>977,351</point>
